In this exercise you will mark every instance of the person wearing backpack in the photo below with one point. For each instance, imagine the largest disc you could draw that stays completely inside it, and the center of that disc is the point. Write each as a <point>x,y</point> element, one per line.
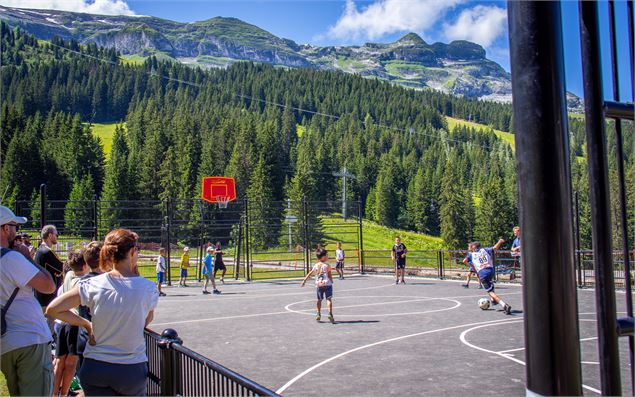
<point>26,354</point>
<point>323,282</point>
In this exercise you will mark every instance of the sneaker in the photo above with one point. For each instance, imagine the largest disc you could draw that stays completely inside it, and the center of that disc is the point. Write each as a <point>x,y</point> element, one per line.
<point>206,292</point>
<point>331,319</point>
<point>222,280</point>
<point>466,286</point>
<point>162,294</point>
<point>318,317</point>
<point>397,282</point>
<point>217,292</point>
<point>507,309</point>
<point>403,281</point>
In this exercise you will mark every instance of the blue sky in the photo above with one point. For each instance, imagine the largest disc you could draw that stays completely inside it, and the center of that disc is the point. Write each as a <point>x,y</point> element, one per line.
<point>344,22</point>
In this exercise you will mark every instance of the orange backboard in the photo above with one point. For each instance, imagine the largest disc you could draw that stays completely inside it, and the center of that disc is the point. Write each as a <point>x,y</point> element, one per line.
<point>218,188</point>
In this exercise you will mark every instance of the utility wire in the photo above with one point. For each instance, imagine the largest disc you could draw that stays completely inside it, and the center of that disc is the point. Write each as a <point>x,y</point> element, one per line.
<point>248,97</point>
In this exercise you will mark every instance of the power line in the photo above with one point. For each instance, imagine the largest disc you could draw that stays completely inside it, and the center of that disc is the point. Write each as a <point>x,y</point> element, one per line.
<point>248,97</point>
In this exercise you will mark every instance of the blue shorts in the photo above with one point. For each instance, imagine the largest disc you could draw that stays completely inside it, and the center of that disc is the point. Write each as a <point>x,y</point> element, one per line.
<point>325,292</point>
<point>160,277</point>
<point>400,264</point>
<point>486,275</point>
<point>339,265</point>
<point>183,272</point>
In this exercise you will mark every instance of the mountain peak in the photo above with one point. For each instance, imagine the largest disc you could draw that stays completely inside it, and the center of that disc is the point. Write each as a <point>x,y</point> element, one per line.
<point>411,38</point>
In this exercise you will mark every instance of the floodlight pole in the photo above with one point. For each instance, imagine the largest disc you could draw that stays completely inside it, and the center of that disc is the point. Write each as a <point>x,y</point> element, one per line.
<point>344,174</point>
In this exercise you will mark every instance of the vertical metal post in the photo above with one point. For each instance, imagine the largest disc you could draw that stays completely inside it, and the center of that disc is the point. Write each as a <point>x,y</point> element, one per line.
<point>247,245</point>
<point>361,237</point>
<point>170,368</point>
<point>621,181</point>
<point>95,218</point>
<point>577,239</point>
<point>42,206</point>
<point>238,250</point>
<point>307,242</point>
<point>600,200</point>
<point>552,347</point>
<point>168,221</point>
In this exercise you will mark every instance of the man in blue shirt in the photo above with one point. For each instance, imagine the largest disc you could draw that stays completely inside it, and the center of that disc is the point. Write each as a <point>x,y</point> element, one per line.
<point>482,260</point>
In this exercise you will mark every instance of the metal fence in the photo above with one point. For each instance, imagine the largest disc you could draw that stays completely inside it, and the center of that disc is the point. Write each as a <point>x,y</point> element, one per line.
<point>174,370</point>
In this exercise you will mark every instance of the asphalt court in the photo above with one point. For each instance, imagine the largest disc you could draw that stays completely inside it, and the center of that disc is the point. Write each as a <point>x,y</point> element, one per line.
<point>427,337</point>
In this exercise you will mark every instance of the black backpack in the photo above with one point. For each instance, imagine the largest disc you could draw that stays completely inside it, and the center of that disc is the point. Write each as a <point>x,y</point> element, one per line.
<point>5,309</point>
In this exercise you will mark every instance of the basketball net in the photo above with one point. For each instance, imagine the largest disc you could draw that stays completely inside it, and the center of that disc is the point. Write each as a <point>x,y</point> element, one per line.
<point>223,202</point>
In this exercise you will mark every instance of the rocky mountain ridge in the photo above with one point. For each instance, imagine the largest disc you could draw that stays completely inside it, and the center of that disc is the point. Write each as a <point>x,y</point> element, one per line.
<point>459,68</point>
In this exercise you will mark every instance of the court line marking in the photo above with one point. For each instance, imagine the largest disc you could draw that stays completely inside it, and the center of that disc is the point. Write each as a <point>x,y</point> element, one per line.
<point>308,311</point>
<point>381,342</point>
<point>289,311</point>
<point>507,356</point>
<point>522,348</point>
<point>300,292</point>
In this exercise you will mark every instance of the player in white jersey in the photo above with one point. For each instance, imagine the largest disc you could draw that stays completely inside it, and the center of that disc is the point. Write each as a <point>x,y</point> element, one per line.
<point>323,282</point>
<point>339,261</point>
<point>482,260</point>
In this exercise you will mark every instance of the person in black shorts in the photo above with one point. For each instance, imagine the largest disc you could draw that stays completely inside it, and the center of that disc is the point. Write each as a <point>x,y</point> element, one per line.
<point>46,257</point>
<point>398,255</point>
<point>218,262</point>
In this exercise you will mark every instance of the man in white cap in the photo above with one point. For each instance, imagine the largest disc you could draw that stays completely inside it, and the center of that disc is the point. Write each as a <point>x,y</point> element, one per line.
<point>26,354</point>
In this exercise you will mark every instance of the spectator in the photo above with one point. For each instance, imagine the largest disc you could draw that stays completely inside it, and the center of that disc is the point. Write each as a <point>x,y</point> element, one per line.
<point>26,354</point>
<point>26,240</point>
<point>66,351</point>
<point>91,257</point>
<point>185,263</point>
<point>46,258</point>
<point>516,252</point>
<point>160,268</point>
<point>121,304</point>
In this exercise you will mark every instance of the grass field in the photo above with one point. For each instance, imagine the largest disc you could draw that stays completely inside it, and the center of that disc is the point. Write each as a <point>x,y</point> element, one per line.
<point>105,133</point>
<point>505,136</point>
<point>3,386</point>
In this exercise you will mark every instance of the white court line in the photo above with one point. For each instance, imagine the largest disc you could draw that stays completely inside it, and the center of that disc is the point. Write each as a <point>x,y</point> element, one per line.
<point>321,363</point>
<point>308,311</point>
<point>522,348</point>
<point>507,356</point>
<point>300,292</point>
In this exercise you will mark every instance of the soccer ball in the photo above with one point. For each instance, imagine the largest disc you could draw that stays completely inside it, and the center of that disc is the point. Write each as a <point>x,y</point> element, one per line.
<point>483,303</point>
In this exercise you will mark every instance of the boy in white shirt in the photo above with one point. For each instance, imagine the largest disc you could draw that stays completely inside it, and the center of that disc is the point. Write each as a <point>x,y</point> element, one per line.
<point>323,282</point>
<point>160,270</point>
<point>339,260</point>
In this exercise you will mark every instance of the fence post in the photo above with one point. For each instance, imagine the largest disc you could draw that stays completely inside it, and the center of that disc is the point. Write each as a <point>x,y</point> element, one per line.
<point>307,248</point>
<point>42,205</point>
<point>200,250</point>
<point>170,374</point>
<point>247,247</point>
<point>95,218</point>
<point>238,246</point>
<point>168,217</point>
<point>361,237</point>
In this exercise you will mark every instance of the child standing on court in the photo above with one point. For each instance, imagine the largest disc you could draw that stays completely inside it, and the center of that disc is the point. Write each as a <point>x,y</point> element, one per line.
<point>161,270</point>
<point>324,284</point>
<point>185,263</point>
<point>208,271</point>
<point>339,260</point>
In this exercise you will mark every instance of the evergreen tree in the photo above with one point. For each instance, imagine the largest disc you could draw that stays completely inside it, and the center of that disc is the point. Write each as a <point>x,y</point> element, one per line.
<point>455,203</point>
<point>78,214</point>
<point>117,183</point>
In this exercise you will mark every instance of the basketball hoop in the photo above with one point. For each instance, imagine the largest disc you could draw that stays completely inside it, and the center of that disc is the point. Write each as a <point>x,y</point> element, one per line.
<point>223,202</point>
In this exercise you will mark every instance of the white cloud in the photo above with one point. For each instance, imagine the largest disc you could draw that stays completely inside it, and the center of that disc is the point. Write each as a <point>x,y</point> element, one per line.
<point>389,16</point>
<point>480,24</point>
<point>103,7</point>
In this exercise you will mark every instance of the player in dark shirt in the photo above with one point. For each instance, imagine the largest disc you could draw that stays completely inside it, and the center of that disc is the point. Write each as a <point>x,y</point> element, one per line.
<point>218,262</point>
<point>46,258</point>
<point>398,255</point>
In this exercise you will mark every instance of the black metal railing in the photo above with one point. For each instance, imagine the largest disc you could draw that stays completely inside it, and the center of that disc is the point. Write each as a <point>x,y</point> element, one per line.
<point>174,370</point>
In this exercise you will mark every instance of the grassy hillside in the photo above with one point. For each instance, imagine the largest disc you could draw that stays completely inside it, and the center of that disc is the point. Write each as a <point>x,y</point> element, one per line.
<point>505,136</point>
<point>105,133</point>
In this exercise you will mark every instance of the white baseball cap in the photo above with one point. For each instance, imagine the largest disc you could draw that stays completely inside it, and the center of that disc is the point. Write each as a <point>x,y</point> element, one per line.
<point>7,216</point>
